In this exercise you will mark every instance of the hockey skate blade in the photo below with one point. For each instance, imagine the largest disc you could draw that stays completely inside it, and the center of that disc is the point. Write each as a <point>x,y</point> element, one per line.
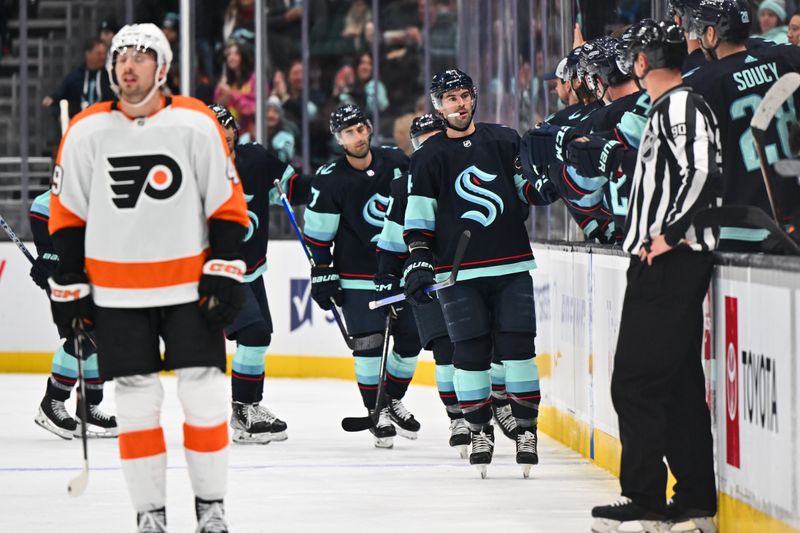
<point>406,434</point>
<point>604,525</point>
<point>693,525</point>
<point>243,437</point>
<point>44,423</point>
<point>353,424</point>
<point>96,432</point>
<point>482,470</point>
<point>463,451</point>
<point>384,443</point>
<point>77,485</point>
<point>526,471</point>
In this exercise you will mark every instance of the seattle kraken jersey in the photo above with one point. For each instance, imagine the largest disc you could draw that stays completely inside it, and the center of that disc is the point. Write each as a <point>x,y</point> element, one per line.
<point>734,87</point>
<point>347,210</point>
<point>693,61</point>
<point>573,115</point>
<point>39,217</point>
<point>473,183</point>
<point>392,249</point>
<point>258,169</point>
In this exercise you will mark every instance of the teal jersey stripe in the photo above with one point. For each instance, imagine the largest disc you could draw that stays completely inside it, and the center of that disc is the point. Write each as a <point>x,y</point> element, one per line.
<point>358,284</point>
<point>591,184</point>
<point>631,126</point>
<point>421,213</point>
<point>321,226</point>
<point>743,234</point>
<point>492,271</point>
<point>391,238</point>
<point>41,204</point>
<point>254,275</point>
<point>274,197</point>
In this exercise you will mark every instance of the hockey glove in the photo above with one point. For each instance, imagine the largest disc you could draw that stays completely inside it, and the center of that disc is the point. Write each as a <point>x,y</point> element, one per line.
<point>71,298</point>
<point>594,156</point>
<point>388,285</point>
<point>325,287</point>
<point>546,145</point>
<point>220,291</point>
<point>44,267</point>
<point>418,274</point>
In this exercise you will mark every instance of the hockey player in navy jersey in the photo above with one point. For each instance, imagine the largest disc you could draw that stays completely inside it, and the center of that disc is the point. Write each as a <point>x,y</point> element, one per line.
<point>253,423</point>
<point>349,200</point>
<point>734,83</point>
<point>682,12</point>
<point>470,178</point>
<point>53,415</point>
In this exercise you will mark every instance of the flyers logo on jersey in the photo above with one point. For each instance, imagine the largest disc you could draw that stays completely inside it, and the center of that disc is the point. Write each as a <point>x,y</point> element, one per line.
<point>158,176</point>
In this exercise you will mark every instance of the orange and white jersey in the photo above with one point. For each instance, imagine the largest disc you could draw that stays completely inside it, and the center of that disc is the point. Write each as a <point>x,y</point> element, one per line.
<point>145,190</point>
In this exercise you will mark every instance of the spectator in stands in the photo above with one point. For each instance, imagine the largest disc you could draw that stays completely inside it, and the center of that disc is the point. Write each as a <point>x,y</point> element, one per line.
<point>283,31</point>
<point>771,19</point>
<point>290,92</point>
<point>171,28</point>
<point>282,135</point>
<point>364,89</point>
<point>355,23</point>
<point>239,20</point>
<point>86,84</point>
<point>401,133</point>
<point>106,30</point>
<point>236,88</point>
<point>794,29</point>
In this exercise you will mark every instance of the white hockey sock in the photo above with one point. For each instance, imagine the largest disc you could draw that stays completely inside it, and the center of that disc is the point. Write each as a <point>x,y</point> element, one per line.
<point>203,392</point>
<point>142,449</point>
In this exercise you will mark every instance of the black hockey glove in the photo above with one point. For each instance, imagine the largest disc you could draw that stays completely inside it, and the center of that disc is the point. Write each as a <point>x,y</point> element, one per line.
<point>220,291</point>
<point>546,144</point>
<point>71,298</point>
<point>44,267</point>
<point>325,287</point>
<point>418,274</point>
<point>388,285</point>
<point>594,156</point>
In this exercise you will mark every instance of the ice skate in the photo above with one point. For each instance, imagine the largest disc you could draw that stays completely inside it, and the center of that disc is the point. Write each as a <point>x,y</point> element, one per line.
<point>53,417</point>
<point>459,436</point>
<point>405,423</point>
<point>482,448</point>
<point>101,425</point>
<point>688,520</point>
<point>625,516</point>
<point>254,424</point>
<point>505,419</point>
<point>384,430</point>
<point>527,455</point>
<point>210,516</point>
<point>152,521</point>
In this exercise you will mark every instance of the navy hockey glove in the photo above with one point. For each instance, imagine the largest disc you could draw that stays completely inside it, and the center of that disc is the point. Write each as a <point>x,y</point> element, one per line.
<point>220,291</point>
<point>546,144</point>
<point>44,267</point>
<point>71,298</point>
<point>594,156</point>
<point>325,287</point>
<point>418,274</point>
<point>388,285</point>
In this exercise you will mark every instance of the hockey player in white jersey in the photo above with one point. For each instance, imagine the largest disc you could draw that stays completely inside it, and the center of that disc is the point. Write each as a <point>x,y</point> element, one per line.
<point>147,215</point>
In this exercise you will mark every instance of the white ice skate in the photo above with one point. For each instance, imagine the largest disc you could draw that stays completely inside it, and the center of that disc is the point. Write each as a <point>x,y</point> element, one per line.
<point>384,431</point>
<point>254,424</point>
<point>101,425</point>
<point>459,437</point>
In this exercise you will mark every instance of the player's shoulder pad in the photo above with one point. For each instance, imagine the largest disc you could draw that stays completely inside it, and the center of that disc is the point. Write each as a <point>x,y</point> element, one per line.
<point>82,122</point>
<point>498,131</point>
<point>395,155</point>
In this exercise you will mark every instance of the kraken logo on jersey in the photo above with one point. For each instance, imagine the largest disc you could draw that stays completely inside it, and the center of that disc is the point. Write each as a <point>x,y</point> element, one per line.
<point>253,226</point>
<point>374,212</point>
<point>159,176</point>
<point>468,187</point>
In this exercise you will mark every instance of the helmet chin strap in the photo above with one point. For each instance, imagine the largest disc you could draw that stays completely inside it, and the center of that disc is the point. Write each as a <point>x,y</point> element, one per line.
<point>156,87</point>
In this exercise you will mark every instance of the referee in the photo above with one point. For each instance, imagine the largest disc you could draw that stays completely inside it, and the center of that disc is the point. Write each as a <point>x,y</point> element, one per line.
<point>657,384</point>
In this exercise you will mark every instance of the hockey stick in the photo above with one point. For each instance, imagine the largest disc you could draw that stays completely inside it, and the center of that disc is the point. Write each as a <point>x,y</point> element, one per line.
<point>348,339</point>
<point>773,101</point>
<point>77,485</point>
<point>461,249</point>
<point>714,217</point>
<point>63,115</point>
<point>360,423</point>
<point>15,239</point>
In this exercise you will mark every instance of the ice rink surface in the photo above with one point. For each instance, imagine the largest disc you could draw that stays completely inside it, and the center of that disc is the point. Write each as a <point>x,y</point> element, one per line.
<point>321,479</point>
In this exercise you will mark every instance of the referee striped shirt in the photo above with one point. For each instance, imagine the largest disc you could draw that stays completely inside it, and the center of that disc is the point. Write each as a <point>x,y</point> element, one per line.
<point>677,173</point>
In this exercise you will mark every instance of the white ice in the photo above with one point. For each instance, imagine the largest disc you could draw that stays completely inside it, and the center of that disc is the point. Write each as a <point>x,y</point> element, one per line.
<point>321,479</point>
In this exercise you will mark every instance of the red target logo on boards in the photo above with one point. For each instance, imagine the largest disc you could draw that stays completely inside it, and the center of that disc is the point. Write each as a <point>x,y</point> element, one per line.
<point>157,176</point>
<point>732,381</point>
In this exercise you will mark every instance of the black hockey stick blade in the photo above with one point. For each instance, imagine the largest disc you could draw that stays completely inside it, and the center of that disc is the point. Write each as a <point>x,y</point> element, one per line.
<point>361,423</point>
<point>788,168</point>
<point>734,215</point>
<point>77,485</point>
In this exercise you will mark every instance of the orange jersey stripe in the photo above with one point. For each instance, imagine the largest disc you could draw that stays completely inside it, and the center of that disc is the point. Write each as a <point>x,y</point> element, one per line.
<point>205,439</point>
<point>148,275</point>
<point>141,444</point>
<point>61,217</point>
<point>100,107</point>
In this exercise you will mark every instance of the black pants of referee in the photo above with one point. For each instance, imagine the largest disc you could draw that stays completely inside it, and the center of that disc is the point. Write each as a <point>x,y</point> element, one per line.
<point>657,386</point>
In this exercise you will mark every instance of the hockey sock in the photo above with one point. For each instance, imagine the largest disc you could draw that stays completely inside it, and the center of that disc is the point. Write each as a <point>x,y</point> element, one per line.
<point>203,395</point>
<point>447,391</point>
<point>473,388</point>
<point>399,371</point>
<point>522,384</point>
<point>142,449</point>
<point>63,375</point>
<point>94,385</point>
<point>368,370</point>
<point>247,373</point>
<point>498,373</point>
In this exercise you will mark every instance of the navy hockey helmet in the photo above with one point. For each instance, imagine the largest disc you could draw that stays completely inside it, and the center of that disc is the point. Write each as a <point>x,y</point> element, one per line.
<point>450,79</point>
<point>664,44</point>
<point>226,120</point>
<point>599,61</point>
<point>347,115</point>
<point>571,67</point>
<point>425,124</point>
<point>730,18</point>
<point>685,10</point>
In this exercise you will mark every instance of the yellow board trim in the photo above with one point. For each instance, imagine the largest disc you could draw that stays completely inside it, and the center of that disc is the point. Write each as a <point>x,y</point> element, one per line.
<point>734,516</point>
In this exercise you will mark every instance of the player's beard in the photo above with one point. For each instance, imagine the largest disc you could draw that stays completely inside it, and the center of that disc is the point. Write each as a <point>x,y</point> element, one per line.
<point>459,124</point>
<point>357,155</point>
<point>135,94</point>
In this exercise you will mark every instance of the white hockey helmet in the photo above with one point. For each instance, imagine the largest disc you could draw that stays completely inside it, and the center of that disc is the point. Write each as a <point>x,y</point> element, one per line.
<point>145,36</point>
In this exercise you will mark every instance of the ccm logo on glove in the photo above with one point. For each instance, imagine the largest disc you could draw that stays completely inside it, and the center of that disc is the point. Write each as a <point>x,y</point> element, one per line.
<point>229,269</point>
<point>68,293</point>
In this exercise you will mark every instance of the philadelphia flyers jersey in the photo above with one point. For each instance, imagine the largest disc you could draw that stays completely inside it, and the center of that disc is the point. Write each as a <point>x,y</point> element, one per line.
<point>346,212</point>
<point>144,189</point>
<point>475,183</point>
